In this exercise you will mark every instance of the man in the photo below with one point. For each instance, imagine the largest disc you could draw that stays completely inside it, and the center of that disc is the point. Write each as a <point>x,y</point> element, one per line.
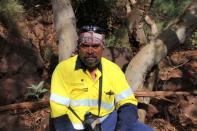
<point>89,91</point>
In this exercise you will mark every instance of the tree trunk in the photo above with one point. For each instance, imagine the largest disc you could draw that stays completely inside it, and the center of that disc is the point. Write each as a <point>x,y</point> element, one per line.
<point>159,47</point>
<point>65,25</point>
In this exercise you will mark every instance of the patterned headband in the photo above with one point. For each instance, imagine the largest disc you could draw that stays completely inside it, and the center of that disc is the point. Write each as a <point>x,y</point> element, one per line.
<point>91,37</point>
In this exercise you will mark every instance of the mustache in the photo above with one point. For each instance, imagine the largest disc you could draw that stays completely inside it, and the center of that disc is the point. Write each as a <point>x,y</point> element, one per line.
<point>90,55</point>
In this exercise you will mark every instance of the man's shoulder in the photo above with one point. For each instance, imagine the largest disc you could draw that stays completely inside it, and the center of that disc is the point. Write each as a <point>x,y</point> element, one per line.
<point>68,63</point>
<point>112,70</point>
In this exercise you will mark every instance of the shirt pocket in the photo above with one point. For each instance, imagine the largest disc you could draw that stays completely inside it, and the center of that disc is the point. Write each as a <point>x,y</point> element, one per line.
<point>108,95</point>
<point>78,91</point>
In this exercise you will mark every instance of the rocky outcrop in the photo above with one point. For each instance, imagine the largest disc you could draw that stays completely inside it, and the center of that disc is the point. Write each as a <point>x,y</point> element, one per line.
<point>20,66</point>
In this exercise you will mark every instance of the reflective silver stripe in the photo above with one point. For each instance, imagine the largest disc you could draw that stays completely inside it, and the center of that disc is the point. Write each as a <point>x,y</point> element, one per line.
<point>123,95</point>
<point>84,102</point>
<point>78,126</point>
<point>103,118</point>
<point>59,99</point>
<point>91,103</point>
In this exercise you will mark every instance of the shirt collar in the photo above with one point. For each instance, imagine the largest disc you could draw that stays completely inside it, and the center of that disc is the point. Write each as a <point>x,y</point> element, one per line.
<point>80,65</point>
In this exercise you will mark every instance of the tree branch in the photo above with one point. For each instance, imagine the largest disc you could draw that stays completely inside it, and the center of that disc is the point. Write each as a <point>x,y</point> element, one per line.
<point>163,93</point>
<point>45,103</point>
<point>158,48</point>
<point>25,105</point>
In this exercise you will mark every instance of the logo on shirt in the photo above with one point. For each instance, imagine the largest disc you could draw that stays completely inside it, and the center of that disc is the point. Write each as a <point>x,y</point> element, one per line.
<point>110,93</point>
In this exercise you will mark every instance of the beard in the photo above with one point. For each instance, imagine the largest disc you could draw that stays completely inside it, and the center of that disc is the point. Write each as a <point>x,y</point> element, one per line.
<point>90,62</point>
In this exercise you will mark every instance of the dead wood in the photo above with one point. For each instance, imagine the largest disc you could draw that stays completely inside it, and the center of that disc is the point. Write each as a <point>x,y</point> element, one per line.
<point>25,105</point>
<point>45,103</point>
<point>163,93</point>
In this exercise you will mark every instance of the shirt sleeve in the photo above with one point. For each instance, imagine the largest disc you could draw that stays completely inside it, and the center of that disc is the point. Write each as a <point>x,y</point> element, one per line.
<point>123,93</point>
<point>63,123</point>
<point>59,98</point>
<point>127,116</point>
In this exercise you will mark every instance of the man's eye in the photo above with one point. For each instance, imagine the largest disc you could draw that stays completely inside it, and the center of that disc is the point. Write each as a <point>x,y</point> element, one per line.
<point>95,46</point>
<point>87,46</point>
<point>84,46</point>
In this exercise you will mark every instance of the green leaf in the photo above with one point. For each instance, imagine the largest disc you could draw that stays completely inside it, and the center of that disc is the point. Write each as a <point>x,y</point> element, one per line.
<point>30,87</point>
<point>34,87</point>
<point>36,90</point>
<point>30,94</point>
<point>43,91</point>
<point>37,96</point>
<point>40,85</point>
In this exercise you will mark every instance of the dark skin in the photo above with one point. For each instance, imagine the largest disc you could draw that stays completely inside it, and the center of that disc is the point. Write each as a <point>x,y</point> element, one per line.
<point>90,54</point>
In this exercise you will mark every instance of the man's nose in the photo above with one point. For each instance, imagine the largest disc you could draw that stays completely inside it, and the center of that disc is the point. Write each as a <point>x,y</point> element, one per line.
<point>90,49</point>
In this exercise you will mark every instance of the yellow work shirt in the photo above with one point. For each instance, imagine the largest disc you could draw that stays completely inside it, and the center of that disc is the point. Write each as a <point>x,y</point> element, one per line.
<point>72,85</point>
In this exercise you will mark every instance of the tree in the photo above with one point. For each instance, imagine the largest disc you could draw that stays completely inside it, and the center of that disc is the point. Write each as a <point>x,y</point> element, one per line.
<point>159,47</point>
<point>65,25</point>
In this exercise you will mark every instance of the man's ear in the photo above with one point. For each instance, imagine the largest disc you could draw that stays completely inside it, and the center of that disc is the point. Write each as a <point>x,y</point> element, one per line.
<point>78,46</point>
<point>75,52</point>
<point>103,46</point>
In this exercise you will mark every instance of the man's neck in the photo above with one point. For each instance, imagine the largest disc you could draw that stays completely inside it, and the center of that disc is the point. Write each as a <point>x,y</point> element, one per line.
<point>93,72</point>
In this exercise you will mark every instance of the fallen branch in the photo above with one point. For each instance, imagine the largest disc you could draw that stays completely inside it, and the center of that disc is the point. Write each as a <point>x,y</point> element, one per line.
<point>163,93</point>
<point>25,105</point>
<point>45,103</point>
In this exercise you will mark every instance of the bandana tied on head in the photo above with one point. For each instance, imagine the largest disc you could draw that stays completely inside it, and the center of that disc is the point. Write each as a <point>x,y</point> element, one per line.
<point>91,37</point>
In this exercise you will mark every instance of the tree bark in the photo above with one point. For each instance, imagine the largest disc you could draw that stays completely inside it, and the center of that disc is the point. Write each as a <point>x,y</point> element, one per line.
<point>65,25</point>
<point>152,24</point>
<point>135,18</point>
<point>159,47</point>
<point>163,93</point>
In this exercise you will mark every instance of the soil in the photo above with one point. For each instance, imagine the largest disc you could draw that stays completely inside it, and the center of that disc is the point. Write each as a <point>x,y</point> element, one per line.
<point>28,60</point>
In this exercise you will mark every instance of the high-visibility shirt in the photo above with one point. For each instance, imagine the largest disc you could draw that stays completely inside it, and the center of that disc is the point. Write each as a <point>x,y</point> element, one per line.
<point>72,85</point>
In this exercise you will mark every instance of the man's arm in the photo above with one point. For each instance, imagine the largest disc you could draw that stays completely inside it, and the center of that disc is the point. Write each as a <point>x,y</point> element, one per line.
<point>127,116</point>
<point>126,103</point>
<point>62,123</point>
<point>59,102</point>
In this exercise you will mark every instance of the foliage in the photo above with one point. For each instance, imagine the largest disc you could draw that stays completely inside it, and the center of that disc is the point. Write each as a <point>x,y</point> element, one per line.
<point>36,90</point>
<point>111,16</point>
<point>119,38</point>
<point>193,41</point>
<point>91,12</point>
<point>164,11</point>
<point>11,8</point>
<point>108,15</point>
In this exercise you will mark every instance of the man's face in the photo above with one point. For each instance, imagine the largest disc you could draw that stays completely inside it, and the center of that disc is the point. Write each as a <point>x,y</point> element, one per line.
<point>90,53</point>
